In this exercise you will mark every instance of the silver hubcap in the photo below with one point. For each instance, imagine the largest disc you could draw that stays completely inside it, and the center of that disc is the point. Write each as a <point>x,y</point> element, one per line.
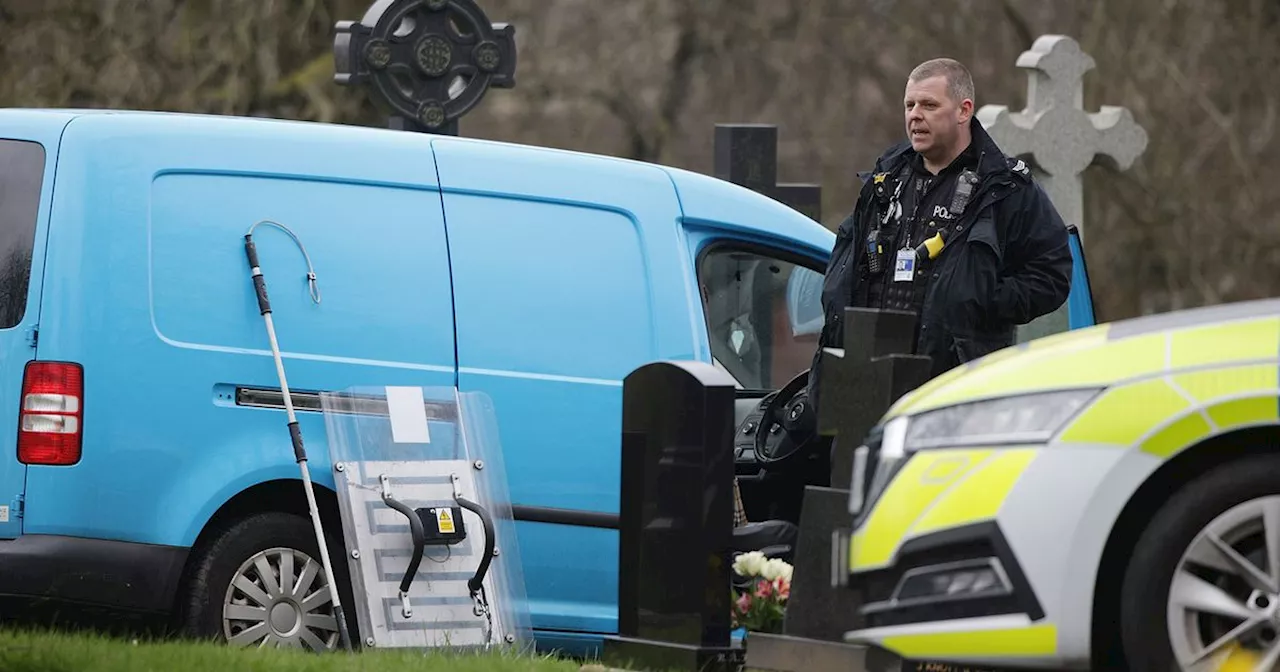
<point>279,598</point>
<point>1225,595</point>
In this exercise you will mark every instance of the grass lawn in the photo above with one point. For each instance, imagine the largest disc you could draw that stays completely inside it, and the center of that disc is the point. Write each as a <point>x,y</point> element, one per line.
<point>22,649</point>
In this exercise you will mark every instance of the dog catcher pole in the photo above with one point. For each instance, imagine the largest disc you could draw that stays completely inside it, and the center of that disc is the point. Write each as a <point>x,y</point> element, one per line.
<point>295,434</point>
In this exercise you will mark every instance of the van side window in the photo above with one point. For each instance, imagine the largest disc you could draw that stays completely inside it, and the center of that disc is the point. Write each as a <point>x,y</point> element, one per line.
<point>21,175</point>
<point>764,314</point>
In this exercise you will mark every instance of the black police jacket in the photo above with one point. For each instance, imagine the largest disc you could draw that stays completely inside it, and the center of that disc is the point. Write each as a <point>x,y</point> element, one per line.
<point>1006,262</point>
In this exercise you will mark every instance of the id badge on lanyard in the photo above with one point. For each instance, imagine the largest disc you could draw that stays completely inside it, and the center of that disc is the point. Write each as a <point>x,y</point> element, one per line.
<point>905,267</point>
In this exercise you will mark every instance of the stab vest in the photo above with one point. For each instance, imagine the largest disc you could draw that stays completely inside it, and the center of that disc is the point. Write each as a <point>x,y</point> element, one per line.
<point>904,208</point>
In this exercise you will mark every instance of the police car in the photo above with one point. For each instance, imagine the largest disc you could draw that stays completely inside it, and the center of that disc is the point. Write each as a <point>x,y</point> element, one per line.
<point>1099,499</point>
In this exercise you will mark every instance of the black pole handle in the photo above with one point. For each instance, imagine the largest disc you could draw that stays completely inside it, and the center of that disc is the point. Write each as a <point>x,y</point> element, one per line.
<point>419,540</point>
<point>259,283</point>
<point>474,582</point>
<point>251,251</point>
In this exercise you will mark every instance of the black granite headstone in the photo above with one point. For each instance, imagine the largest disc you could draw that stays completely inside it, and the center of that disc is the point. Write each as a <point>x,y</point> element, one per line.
<point>675,520</point>
<point>425,62</point>
<point>862,380</point>
<point>747,155</point>
<point>859,383</point>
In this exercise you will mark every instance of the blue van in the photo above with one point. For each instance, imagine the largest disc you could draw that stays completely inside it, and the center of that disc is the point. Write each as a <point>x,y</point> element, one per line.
<point>151,473</point>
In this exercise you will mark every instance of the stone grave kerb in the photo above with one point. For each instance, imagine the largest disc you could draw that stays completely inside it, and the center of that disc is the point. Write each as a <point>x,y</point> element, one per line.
<point>1055,133</point>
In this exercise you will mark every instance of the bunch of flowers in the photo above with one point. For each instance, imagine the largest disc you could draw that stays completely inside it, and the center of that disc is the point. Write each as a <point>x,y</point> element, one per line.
<point>762,604</point>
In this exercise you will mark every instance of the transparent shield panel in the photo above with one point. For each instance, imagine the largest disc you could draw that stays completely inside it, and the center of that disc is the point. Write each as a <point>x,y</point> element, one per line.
<point>420,481</point>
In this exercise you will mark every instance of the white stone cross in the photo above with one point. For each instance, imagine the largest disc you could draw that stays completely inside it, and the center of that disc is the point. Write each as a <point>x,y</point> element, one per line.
<point>1055,133</point>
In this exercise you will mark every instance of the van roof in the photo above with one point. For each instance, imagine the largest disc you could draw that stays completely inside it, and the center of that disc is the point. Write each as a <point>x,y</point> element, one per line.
<point>704,199</point>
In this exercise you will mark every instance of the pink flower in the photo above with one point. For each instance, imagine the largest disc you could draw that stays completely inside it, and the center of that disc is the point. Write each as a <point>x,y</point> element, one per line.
<point>762,606</point>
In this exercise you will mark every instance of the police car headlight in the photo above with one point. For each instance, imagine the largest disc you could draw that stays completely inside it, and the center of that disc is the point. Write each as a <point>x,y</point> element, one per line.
<point>1030,418</point>
<point>889,459</point>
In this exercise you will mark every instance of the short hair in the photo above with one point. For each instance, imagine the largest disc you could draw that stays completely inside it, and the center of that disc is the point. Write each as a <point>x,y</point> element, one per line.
<point>959,81</point>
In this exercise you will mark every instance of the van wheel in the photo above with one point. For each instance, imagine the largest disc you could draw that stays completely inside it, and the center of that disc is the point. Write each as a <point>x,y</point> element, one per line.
<point>261,583</point>
<point>1203,583</point>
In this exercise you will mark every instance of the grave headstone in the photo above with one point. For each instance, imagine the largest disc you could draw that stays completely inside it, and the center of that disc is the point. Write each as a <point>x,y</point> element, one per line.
<point>859,383</point>
<point>675,520</point>
<point>425,62</point>
<point>747,155</point>
<point>1054,133</point>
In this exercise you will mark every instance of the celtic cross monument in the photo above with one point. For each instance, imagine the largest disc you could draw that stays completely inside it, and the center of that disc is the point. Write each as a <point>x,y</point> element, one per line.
<point>1054,131</point>
<point>425,62</point>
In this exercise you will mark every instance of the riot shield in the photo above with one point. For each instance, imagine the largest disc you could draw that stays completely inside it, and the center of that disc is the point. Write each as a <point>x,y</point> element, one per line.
<point>426,518</point>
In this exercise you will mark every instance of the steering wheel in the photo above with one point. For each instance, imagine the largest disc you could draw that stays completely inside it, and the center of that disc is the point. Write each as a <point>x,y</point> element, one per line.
<point>787,423</point>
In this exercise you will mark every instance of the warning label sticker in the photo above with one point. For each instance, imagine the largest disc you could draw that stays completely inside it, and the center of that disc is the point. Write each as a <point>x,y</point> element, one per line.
<point>4,514</point>
<point>444,521</point>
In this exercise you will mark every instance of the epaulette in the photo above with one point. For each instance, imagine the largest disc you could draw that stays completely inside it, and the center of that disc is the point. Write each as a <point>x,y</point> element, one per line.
<point>1019,167</point>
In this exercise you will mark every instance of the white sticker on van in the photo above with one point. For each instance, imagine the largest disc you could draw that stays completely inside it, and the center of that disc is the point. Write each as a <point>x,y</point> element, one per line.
<point>4,514</point>
<point>408,411</point>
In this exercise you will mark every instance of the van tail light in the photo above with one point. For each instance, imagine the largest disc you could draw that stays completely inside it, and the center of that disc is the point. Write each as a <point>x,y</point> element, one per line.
<point>51,414</point>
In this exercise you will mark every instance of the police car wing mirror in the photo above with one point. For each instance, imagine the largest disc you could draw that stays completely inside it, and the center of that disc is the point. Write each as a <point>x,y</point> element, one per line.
<point>804,302</point>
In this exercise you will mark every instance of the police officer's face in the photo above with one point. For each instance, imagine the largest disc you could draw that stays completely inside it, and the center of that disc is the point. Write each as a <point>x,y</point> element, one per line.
<point>933,118</point>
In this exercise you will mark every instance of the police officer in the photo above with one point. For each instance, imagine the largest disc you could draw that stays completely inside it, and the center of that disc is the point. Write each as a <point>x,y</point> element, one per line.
<point>947,227</point>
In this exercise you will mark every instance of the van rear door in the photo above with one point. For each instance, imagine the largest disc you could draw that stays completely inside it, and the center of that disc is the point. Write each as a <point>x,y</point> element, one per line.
<point>28,152</point>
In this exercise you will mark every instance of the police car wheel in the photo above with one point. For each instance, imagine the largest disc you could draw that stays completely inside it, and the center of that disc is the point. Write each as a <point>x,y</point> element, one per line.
<point>1203,582</point>
<point>260,582</point>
